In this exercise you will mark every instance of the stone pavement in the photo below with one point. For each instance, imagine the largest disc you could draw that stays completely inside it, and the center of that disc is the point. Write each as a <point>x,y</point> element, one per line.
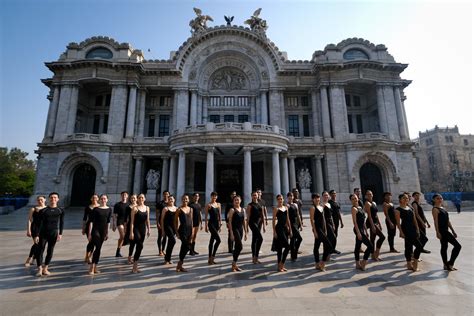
<point>385,288</point>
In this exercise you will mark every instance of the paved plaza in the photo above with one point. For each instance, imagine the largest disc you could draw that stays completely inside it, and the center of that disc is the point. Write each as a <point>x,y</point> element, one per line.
<point>386,288</point>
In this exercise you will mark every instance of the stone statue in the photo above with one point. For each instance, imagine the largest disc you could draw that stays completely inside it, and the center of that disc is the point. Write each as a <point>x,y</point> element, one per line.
<point>304,178</point>
<point>256,23</point>
<point>228,20</point>
<point>198,24</point>
<point>152,178</point>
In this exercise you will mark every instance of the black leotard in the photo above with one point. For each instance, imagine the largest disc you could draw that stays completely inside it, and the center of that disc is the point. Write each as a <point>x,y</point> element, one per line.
<point>87,218</point>
<point>196,214</point>
<point>100,218</point>
<point>443,220</point>
<point>238,231</point>
<point>51,221</point>
<point>293,214</point>
<point>120,209</point>
<point>139,232</point>
<point>391,214</point>
<point>35,224</point>
<point>168,221</point>
<point>328,216</point>
<point>185,225</point>
<point>360,219</point>
<point>319,221</point>
<point>256,213</point>
<point>213,216</point>
<point>373,213</point>
<point>408,220</point>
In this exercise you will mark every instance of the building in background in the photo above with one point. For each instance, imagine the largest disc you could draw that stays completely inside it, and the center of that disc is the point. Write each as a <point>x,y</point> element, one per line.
<point>445,160</point>
<point>228,111</point>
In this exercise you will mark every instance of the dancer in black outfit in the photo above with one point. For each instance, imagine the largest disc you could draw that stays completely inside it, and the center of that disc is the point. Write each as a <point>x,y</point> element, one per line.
<point>167,226</point>
<point>230,243</point>
<point>86,222</point>
<point>296,226</point>
<point>421,220</point>
<point>255,219</point>
<point>318,224</point>
<point>128,222</point>
<point>51,223</point>
<point>263,204</point>
<point>161,240</point>
<point>360,230</point>
<point>358,193</point>
<point>442,225</point>
<point>336,217</point>
<point>374,224</point>
<point>390,221</point>
<point>139,226</point>
<point>197,223</point>
<point>297,200</point>
<point>281,229</point>
<point>120,210</point>
<point>407,225</point>
<point>183,225</point>
<point>330,228</point>
<point>236,227</point>
<point>213,225</point>
<point>99,230</point>
<point>32,229</point>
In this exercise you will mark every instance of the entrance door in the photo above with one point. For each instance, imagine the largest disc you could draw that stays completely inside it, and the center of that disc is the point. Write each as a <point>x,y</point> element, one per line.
<point>83,185</point>
<point>371,179</point>
<point>229,178</point>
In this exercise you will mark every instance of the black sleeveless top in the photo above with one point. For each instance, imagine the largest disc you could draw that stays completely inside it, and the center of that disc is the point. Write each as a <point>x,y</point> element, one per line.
<point>256,213</point>
<point>360,219</point>
<point>328,215</point>
<point>213,216</point>
<point>238,220</point>
<point>185,224</point>
<point>373,213</point>
<point>391,214</point>
<point>35,224</point>
<point>281,219</point>
<point>443,220</point>
<point>293,214</point>
<point>168,221</point>
<point>319,222</point>
<point>139,221</point>
<point>407,217</point>
<point>196,213</point>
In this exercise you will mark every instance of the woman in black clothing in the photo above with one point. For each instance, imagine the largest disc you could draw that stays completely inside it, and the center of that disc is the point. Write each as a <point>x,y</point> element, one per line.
<point>32,229</point>
<point>295,224</point>
<point>255,218</point>
<point>213,225</point>
<point>318,224</point>
<point>139,225</point>
<point>51,223</point>
<point>120,210</point>
<point>281,230</point>
<point>236,219</point>
<point>390,221</point>
<point>128,222</point>
<point>360,230</point>
<point>99,230</point>
<point>167,225</point>
<point>442,225</point>
<point>409,231</point>
<point>86,222</point>
<point>420,219</point>
<point>330,228</point>
<point>373,222</point>
<point>183,225</point>
<point>197,223</point>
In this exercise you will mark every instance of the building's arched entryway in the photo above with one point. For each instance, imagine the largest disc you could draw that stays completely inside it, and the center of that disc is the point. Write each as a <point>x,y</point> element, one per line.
<point>83,185</point>
<point>371,179</point>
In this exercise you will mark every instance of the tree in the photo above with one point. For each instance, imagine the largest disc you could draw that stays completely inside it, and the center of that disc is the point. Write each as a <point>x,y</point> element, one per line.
<point>17,173</point>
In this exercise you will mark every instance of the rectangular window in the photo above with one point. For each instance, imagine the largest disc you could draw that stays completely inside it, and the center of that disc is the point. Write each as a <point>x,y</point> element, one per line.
<point>106,124</point>
<point>98,100</point>
<point>164,126</point>
<point>359,124</point>
<point>214,118</point>
<point>151,126</point>
<point>228,118</point>
<point>229,101</point>
<point>215,101</point>
<point>293,126</point>
<point>466,142</point>
<point>95,127</point>
<point>292,101</point>
<point>243,118</point>
<point>108,97</point>
<point>305,125</point>
<point>349,120</point>
<point>348,100</point>
<point>242,101</point>
<point>356,100</point>
<point>165,101</point>
<point>153,102</point>
<point>304,101</point>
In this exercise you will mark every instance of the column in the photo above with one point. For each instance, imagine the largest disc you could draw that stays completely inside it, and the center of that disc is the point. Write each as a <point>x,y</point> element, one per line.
<point>326,120</point>
<point>247,175</point>
<point>292,173</point>
<point>182,108</point>
<point>284,174</point>
<point>141,114</point>
<point>199,109</point>
<point>338,111</point>
<point>391,112</point>
<point>63,110</point>
<point>194,109</point>
<point>381,110</point>
<point>52,113</point>
<point>402,124</point>
<point>315,108</point>
<point>165,173</point>
<point>205,104</point>
<point>263,107</point>
<point>181,174</point>
<point>209,172</point>
<point>252,118</point>
<point>137,178</point>
<point>319,174</point>
<point>276,171</point>
<point>71,121</point>
<point>132,105</point>
<point>118,105</point>
<point>175,113</point>
<point>172,181</point>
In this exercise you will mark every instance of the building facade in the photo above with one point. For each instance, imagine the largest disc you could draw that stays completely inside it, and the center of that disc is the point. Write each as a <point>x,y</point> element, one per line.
<point>228,111</point>
<point>445,160</point>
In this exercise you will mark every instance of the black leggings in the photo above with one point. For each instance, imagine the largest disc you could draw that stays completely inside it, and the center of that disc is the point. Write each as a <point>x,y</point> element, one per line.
<point>378,232</point>
<point>358,243</point>
<point>161,241</point>
<point>97,241</point>
<point>295,242</point>
<point>257,239</point>
<point>283,247</point>
<point>215,240</point>
<point>336,232</point>
<point>171,242</point>
<point>327,247</point>
<point>184,247</point>
<point>391,234</point>
<point>50,239</point>
<point>409,243</point>
<point>131,247</point>
<point>33,249</point>
<point>237,244</point>
<point>447,237</point>
<point>230,243</point>
<point>423,239</point>
<point>138,240</point>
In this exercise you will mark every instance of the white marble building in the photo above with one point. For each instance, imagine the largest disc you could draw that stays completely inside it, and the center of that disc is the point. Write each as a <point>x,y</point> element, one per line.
<point>227,111</point>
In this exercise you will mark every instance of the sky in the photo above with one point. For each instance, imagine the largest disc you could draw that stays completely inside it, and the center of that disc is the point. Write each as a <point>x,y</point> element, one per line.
<point>434,37</point>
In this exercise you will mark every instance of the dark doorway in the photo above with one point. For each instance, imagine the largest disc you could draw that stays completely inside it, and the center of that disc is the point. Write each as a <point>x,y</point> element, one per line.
<point>229,178</point>
<point>83,185</point>
<point>371,179</point>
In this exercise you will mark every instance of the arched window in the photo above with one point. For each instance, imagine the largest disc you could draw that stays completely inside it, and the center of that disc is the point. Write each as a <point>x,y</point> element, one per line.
<point>352,54</point>
<point>99,52</point>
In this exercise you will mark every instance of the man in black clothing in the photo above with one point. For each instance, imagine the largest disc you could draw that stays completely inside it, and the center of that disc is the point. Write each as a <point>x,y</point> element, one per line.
<point>358,193</point>
<point>197,223</point>
<point>120,211</point>
<point>230,243</point>
<point>336,216</point>
<point>161,240</point>
<point>297,200</point>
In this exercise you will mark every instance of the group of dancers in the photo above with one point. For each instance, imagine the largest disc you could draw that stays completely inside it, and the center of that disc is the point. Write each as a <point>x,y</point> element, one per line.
<point>131,218</point>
